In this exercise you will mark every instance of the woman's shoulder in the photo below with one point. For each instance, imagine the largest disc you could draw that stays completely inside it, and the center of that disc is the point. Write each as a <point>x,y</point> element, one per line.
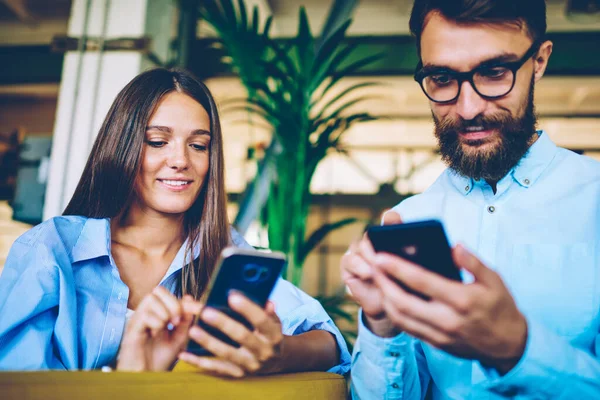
<point>50,239</point>
<point>238,240</point>
<point>51,230</point>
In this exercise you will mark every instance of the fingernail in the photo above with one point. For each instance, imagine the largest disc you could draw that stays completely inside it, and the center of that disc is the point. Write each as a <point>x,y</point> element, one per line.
<point>209,315</point>
<point>195,331</point>
<point>379,259</point>
<point>235,298</point>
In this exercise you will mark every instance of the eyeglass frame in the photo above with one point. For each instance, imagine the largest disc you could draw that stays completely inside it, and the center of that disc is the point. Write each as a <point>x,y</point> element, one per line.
<point>461,77</point>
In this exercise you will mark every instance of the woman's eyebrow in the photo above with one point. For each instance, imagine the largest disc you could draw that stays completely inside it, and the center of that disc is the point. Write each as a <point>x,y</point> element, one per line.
<point>201,132</point>
<point>165,129</point>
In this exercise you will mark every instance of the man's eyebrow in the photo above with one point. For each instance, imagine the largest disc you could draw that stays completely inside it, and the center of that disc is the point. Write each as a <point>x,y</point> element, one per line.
<point>166,129</point>
<point>497,59</point>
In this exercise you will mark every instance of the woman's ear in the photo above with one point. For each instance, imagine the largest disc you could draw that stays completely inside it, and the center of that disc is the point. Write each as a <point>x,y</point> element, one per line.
<point>541,59</point>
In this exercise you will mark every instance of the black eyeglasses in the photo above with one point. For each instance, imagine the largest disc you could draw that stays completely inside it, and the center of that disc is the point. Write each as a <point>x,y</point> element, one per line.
<point>490,80</point>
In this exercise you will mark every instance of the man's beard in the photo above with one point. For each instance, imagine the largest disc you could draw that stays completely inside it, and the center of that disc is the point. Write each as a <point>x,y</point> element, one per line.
<point>489,164</point>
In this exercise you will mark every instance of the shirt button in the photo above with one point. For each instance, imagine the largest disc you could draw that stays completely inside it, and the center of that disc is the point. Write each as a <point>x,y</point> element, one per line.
<point>467,188</point>
<point>120,296</point>
<point>394,354</point>
<point>395,385</point>
<point>527,181</point>
<point>491,209</point>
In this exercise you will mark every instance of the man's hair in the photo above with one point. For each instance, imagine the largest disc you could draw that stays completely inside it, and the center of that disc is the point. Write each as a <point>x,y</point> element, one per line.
<point>530,14</point>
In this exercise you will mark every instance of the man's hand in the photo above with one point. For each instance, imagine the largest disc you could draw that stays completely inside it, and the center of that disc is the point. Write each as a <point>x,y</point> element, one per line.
<point>477,321</point>
<point>358,269</point>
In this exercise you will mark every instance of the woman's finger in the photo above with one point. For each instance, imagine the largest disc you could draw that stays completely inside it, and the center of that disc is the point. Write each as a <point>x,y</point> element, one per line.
<point>232,328</point>
<point>153,323</point>
<point>153,303</point>
<point>213,366</point>
<point>267,325</point>
<point>238,356</point>
<point>191,306</point>
<point>170,302</point>
<point>270,308</point>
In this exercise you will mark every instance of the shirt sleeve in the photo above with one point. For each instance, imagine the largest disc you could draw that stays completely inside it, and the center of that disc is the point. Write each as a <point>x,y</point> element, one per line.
<point>551,367</point>
<point>387,368</point>
<point>35,333</point>
<point>301,313</point>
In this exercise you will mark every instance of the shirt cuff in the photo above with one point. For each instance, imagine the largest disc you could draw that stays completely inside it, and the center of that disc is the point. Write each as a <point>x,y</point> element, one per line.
<point>377,348</point>
<point>533,373</point>
<point>308,318</point>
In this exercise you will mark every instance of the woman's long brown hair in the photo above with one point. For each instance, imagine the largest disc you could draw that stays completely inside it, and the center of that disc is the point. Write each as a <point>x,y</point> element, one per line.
<point>106,187</point>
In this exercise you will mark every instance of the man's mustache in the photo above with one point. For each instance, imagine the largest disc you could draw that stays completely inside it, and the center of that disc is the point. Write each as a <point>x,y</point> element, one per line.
<point>489,122</point>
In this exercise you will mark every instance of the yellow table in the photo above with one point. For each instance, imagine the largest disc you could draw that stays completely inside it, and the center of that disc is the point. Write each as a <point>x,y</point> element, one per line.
<point>183,383</point>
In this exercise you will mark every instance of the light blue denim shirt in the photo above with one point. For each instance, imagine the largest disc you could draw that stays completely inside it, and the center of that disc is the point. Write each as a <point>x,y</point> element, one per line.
<point>541,233</point>
<point>63,303</point>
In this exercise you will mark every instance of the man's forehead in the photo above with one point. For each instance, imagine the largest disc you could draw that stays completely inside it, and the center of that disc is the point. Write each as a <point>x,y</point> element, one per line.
<point>463,46</point>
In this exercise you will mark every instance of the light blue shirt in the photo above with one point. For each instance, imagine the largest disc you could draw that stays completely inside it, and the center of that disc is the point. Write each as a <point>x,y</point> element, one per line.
<point>63,303</point>
<point>541,233</point>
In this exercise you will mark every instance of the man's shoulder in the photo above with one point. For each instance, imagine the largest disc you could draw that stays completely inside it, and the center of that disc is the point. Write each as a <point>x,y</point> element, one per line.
<point>577,167</point>
<point>580,160</point>
<point>427,203</point>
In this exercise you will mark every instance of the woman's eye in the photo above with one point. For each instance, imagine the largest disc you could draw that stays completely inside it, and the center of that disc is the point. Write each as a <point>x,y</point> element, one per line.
<point>199,147</point>
<point>156,143</point>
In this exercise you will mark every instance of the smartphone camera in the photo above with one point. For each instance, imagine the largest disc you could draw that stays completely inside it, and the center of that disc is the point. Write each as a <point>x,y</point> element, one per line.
<point>255,273</point>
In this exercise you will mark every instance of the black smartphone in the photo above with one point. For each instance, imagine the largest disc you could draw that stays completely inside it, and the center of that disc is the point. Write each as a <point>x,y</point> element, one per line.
<point>249,272</point>
<point>423,243</point>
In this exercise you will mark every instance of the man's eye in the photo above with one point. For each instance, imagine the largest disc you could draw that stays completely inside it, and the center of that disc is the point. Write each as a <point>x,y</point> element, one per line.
<point>441,79</point>
<point>494,73</point>
<point>156,143</point>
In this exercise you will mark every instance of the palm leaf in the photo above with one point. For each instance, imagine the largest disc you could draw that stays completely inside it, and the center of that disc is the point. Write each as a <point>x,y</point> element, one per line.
<point>350,69</point>
<point>319,234</point>
<point>305,44</point>
<point>344,94</point>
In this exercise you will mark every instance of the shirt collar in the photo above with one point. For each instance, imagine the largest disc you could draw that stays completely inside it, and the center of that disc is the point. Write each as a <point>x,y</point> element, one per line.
<point>535,161</point>
<point>94,240</point>
<point>525,173</point>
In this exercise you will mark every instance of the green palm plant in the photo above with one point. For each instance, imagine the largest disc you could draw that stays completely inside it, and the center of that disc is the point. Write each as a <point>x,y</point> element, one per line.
<point>295,88</point>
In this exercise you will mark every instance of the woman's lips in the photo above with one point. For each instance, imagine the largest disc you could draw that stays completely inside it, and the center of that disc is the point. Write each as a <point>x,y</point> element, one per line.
<point>175,185</point>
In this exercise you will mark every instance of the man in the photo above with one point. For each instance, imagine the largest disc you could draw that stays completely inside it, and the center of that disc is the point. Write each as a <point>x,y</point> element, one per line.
<point>527,323</point>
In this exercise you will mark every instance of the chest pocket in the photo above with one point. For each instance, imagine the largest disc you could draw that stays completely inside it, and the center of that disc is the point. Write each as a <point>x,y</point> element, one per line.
<point>561,288</point>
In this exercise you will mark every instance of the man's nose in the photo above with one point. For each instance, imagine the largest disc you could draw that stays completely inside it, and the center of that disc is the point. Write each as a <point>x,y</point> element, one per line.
<point>469,104</point>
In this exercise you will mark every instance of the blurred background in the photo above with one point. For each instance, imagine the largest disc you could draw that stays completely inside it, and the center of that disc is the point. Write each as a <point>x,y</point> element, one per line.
<point>324,126</point>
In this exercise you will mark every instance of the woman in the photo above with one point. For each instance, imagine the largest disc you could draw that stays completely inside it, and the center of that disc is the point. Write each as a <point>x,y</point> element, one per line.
<point>139,241</point>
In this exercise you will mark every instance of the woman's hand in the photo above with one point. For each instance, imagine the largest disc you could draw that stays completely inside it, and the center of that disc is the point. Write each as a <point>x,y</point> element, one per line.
<point>148,344</point>
<point>260,350</point>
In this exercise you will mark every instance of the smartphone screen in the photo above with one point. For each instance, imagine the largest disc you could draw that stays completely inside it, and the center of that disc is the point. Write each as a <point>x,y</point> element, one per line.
<point>249,272</point>
<point>423,243</point>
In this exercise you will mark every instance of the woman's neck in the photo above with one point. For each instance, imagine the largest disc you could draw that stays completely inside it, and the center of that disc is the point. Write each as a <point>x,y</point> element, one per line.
<point>149,232</point>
